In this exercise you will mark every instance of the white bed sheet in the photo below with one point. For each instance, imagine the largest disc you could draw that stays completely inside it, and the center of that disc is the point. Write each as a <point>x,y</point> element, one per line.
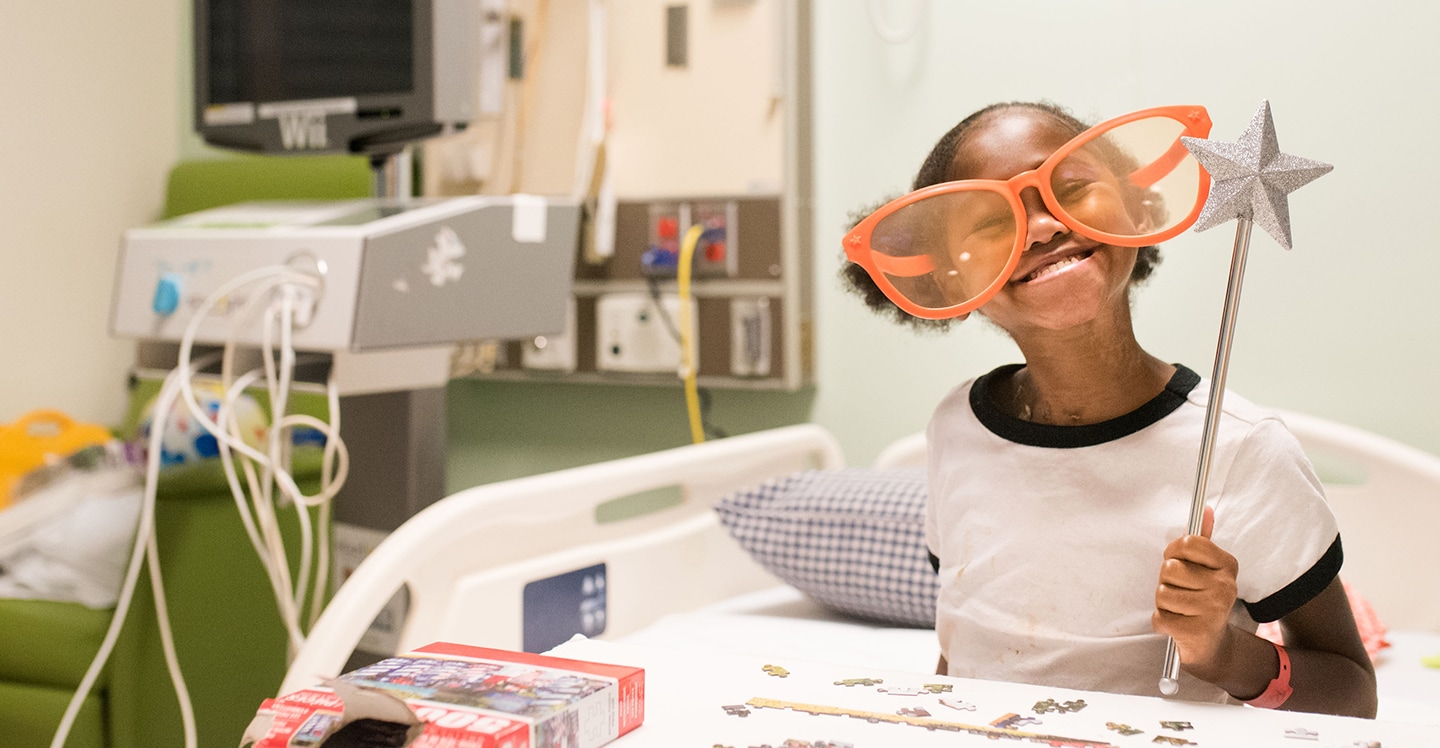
<point>782,623</point>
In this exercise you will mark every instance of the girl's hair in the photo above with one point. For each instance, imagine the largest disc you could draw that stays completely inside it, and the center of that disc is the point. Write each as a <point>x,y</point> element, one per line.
<point>936,169</point>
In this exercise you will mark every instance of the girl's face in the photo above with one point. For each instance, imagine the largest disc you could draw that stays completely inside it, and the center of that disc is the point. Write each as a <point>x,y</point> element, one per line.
<point>1064,281</point>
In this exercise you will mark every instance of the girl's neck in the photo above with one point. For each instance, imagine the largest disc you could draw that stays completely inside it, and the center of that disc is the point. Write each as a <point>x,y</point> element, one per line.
<point>1077,379</point>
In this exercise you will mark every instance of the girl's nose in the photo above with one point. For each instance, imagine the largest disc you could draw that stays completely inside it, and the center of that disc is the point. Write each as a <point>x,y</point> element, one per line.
<point>1040,226</point>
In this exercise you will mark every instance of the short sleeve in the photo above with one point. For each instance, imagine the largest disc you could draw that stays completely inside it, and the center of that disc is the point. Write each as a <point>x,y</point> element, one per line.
<point>1273,518</point>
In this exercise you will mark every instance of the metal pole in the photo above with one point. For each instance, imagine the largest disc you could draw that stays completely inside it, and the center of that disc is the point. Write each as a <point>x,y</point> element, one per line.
<point>1170,679</point>
<point>392,174</point>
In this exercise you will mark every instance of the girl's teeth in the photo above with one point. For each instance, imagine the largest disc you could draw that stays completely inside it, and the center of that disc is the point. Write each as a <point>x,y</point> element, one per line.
<point>1053,267</point>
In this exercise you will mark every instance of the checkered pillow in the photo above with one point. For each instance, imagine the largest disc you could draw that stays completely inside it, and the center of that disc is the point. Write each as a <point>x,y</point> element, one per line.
<point>851,539</point>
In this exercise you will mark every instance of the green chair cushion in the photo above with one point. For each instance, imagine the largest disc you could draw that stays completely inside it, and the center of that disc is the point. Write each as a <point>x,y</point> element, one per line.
<point>49,643</point>
<point>30,715</point>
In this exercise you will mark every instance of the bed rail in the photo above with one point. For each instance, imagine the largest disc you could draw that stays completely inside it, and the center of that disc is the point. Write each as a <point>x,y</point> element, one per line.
<point>467,558</point>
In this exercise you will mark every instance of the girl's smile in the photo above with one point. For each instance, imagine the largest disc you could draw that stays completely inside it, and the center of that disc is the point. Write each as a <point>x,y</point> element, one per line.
<point>1054,264</point>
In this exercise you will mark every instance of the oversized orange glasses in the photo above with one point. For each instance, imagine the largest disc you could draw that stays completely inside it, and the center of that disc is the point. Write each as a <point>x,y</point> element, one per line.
<point>944,250</point>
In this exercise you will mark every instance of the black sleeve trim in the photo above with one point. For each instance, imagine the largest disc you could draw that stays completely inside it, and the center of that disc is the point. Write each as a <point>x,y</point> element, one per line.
<point>934,561</point>
<point>1302,590</point>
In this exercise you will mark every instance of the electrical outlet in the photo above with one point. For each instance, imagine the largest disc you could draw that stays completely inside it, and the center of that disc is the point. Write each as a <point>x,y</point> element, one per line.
<point>750,331</point>
<point>634,335</point>
<point>552,352</point>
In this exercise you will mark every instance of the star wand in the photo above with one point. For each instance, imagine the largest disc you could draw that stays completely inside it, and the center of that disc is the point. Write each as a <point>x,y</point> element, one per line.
<point>1250,181</point>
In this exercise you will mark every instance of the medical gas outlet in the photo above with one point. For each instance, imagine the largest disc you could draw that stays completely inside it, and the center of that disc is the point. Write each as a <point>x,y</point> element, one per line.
<point>715,254</point>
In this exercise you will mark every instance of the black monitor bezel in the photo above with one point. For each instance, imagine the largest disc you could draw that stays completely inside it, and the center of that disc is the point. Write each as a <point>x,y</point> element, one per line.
<point>374,127</point>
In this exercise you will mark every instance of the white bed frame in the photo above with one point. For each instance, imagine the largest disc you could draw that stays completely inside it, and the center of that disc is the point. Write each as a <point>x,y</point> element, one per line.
<point>467,558</point>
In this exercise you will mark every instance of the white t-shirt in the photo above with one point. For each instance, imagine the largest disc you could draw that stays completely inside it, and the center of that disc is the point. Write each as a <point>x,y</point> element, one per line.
<point>1049,539</point>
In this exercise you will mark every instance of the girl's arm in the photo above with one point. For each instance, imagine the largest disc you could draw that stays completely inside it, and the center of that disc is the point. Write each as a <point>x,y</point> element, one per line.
<point>1330,670</point>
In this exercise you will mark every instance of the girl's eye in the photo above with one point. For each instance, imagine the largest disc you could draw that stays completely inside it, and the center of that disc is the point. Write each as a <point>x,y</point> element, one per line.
<point>1070,189</point>
<point>994,222</point>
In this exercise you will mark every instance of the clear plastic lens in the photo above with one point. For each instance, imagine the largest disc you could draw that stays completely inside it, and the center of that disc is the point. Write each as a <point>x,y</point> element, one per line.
<point>947,249</point>
<point>1136,179</point>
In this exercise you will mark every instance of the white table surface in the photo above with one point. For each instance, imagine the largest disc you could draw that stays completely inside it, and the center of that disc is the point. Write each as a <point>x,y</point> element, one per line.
<point>687,690</point>
<point>781,622</point>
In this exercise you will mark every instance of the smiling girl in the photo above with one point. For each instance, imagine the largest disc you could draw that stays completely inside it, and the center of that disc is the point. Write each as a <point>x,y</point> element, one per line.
<point>1059,488</point>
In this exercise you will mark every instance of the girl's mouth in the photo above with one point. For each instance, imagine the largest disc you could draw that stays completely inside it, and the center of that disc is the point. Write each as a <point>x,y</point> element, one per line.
<point>1058,266</point>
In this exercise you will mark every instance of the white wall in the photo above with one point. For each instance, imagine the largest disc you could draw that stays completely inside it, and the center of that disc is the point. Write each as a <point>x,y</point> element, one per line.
<point>1343,326</point>
<point>88,130</point>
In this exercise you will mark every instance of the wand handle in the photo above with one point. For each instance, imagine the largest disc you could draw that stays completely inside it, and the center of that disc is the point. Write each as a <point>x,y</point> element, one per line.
<point>1170,679</point>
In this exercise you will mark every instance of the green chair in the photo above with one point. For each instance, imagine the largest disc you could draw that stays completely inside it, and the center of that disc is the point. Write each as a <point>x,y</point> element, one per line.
<point>228,635</point>
<point>197,185</point>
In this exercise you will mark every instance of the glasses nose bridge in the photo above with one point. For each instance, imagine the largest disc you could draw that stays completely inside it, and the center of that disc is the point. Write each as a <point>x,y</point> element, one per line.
<point>1039,216</point>
<point>1025,180</point>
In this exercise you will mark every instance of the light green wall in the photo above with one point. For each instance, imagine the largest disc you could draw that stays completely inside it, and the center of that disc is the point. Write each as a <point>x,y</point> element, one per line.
<point>1342,326</point>
<point>506,429</point>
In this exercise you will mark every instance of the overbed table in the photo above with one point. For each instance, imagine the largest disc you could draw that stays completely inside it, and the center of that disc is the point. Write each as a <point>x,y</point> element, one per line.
<point>698,698</point>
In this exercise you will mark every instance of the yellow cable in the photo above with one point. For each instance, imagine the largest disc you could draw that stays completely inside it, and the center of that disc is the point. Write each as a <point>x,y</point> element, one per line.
<point>687,335</point>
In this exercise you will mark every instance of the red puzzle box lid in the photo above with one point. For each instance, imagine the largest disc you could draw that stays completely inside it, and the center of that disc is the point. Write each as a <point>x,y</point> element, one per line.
<point>458,696</point>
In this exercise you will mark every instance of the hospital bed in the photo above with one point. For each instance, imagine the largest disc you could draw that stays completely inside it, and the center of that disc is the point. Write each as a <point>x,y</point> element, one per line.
<point>677,581</point>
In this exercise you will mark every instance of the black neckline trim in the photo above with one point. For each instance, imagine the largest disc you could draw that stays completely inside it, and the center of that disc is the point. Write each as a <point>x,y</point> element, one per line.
<point>1008,427</point>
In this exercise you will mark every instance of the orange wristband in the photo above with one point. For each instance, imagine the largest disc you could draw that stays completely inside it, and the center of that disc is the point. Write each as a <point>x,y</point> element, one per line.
<point>1279,689</point>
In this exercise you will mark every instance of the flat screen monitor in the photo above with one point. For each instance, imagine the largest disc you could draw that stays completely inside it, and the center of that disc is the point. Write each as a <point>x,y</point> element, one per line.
<point>333,76</point>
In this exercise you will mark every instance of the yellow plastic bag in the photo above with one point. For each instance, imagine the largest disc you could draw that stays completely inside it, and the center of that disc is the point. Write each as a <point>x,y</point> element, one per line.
<point>38,438</point>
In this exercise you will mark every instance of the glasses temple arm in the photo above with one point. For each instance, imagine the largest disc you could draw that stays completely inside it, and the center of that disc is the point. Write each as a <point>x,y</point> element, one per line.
<point>903,267</point>
<point>1161,167</point>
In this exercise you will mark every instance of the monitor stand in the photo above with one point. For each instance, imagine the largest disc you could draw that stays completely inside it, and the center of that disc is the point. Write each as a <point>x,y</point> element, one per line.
<point>397,445</point>
<point>396,439</point>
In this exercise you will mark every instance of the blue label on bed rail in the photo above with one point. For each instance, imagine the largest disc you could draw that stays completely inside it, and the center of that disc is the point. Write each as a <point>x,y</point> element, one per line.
<point>562,606</point>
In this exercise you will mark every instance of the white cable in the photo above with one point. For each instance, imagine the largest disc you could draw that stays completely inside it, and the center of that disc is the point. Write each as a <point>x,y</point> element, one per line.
<point>273,464</point>
<point>262,547</point>
<point>232,391</point>
<point>167,641</point>
<point>259,520</point>
<point>341,457</point>
<point>328,486</point>
<point>894,33</point>
<point>277,276</point>
<point>239,493</point>
<point>262,496</point>
<point>280,446</point>
<point>144,535</point>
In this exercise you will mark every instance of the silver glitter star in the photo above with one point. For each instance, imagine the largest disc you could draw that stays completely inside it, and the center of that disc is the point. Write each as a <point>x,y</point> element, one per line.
<point>1251,177</point>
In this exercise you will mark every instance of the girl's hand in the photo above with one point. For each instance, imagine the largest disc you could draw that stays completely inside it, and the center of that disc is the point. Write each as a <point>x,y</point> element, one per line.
<point>1194,598</point>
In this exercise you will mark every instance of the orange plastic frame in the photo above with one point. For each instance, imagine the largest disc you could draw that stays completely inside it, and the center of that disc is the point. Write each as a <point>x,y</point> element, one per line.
<point>857,243</point>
